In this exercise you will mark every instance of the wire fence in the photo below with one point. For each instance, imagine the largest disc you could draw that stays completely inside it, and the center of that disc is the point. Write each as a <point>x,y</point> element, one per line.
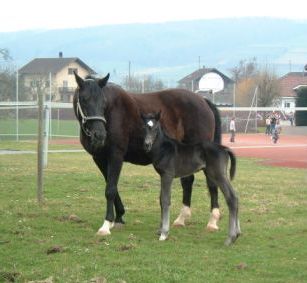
<point>19,121</point>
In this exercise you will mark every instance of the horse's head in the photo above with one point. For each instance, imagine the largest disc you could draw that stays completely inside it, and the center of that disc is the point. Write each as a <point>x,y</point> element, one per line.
<point>151,129</point>
<point>90,104</point>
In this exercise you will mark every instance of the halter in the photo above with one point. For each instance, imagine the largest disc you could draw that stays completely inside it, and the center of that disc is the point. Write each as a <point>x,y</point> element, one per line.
<point>87,118</point>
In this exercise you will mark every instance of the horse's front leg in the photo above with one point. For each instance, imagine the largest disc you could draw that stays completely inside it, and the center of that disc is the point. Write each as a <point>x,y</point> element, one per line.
<point>102,164</point>
<point>115,162</point>
<point>165,202</point>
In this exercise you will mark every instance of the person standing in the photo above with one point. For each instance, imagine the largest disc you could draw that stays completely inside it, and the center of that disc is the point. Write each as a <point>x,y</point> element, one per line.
<point>267,125</point>
<point>273,122</point>
<point>232,129</point>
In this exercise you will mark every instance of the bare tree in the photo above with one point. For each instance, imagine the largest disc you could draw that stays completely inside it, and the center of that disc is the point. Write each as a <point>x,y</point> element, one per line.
<point>247,76</point>
<point>5,54</point>
<point>139,84</point>
<point>245,69</point>
<point>268,87</point>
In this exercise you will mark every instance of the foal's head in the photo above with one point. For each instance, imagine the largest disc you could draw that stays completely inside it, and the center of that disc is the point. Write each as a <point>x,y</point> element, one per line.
<point>151,129</point>
<point>90,108</point>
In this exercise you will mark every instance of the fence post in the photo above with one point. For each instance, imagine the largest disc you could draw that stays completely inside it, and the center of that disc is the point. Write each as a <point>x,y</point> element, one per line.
<point>17,105</point>
<point>46,135</point>
<point>40,149</point>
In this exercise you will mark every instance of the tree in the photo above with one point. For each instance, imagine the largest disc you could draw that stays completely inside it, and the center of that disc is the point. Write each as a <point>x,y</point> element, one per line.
<point>40,85</point>
<point>301,101</point>
<point>248,76</point>
<point>268,87</point>
<point>145,84</point>
<point>5,54</point>
<point>245,90</point>
<point>245,69</point>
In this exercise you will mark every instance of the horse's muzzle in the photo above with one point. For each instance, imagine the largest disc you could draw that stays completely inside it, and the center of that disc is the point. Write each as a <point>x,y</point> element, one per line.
<point>98,140</point>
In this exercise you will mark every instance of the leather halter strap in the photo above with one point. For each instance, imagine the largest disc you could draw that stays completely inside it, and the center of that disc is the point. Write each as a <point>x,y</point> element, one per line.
<point>85,118</point>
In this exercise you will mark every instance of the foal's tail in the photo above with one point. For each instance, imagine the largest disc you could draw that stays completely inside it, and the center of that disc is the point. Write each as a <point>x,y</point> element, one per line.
<point>233,162</point>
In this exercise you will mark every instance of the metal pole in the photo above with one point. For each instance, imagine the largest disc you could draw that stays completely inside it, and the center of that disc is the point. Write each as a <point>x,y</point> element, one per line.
<point>50,114</point>
<point>234,100</point>
<point>256,104</point>
<point>46,134</point>
<point>17,106</point>
<point>40,153</point>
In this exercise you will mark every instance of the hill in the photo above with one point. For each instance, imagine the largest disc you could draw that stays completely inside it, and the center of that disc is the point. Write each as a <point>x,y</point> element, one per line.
<point>169,50</point>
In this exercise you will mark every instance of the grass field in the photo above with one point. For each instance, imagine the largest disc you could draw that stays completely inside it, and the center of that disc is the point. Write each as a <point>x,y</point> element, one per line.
<point>37,242</point>
<point>28,128</point>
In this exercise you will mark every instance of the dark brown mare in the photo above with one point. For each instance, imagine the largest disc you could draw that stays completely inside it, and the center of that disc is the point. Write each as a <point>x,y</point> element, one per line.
<point>112,132</point>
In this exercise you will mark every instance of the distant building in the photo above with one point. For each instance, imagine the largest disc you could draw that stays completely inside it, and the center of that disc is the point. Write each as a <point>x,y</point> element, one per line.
<point>61,71</point>
<point>289,84</point>
<point>210,83</point>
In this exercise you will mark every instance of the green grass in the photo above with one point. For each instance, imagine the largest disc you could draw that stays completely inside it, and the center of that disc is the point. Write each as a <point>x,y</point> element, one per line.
<point>273,209</point>
<point>28,128</point>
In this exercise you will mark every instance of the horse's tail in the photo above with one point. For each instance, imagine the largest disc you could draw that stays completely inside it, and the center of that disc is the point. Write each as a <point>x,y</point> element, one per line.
<point>218,123</point>
<point>233,161</point>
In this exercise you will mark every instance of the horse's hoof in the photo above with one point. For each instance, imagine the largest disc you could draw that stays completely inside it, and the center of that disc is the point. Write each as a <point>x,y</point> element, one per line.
<point>163,237</point>
<point>103,233</point>
<point>212,228</point>
<point>178,223</point>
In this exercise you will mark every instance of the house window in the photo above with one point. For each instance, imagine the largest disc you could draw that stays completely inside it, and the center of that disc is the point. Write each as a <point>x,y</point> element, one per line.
<point>71,71</point>
<point>287,104</point>
<point>65,84</point>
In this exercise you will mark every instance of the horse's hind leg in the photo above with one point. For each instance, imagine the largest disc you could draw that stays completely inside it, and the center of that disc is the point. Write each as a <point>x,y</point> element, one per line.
<point>215,211</point>
<point>185,212</point>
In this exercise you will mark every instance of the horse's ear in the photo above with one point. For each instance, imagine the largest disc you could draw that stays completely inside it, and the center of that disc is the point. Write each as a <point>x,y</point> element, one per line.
<point>102,82</point>
<point>79,80</point>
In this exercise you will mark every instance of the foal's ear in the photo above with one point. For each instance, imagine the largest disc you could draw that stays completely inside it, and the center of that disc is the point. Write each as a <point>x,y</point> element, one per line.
<point>158,115</point>
<point>102,82</point>
<point>143,116</point>
<point>79,80</point>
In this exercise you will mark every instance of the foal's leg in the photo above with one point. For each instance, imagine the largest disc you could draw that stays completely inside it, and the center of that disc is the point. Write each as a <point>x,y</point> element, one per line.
<point>165,202</point>
<point>185,213</point>
<point>232,202</point>
<point>215,211</point>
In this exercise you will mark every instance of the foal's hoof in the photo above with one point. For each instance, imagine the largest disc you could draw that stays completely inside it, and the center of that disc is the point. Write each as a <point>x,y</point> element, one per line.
<point>230,240</point>
<point>163,237</point>
<point>212,228</point>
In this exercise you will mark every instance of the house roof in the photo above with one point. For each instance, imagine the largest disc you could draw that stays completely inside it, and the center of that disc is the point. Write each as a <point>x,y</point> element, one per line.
<point>51,65</point>
<point>197,75</point>
<point>290,81</point>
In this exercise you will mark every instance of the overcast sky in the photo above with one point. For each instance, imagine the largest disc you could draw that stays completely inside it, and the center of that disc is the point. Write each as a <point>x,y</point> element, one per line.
<point>55,14</point>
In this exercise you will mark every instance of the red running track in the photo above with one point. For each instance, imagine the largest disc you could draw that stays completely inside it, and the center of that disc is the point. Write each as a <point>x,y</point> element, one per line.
<point>289,151</point>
